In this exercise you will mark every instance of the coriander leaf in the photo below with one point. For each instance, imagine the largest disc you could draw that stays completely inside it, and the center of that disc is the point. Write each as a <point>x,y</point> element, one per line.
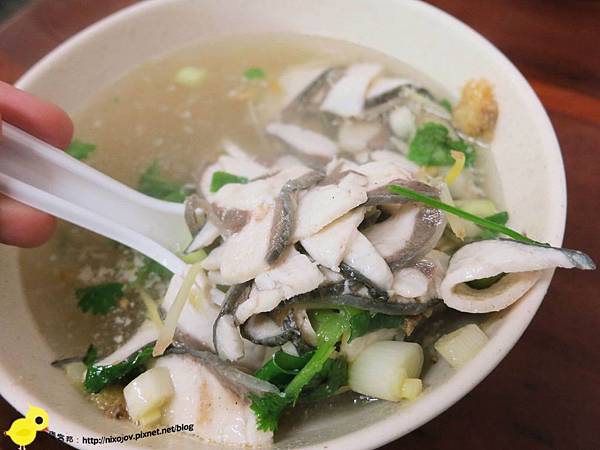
<point>328,381</point>
<point>91,355</point>
<point>98,377</point>
<point>100,298</point>
<point>254,73</point>
<point>365,322</point>
<point>80,150</point>
<point>153,184</point>
<point>268,407</point>
<point>148,267</point>
<point>220,179</point>
<point>446,105</point>
<point>431,146</point>
<point>483,223</point>
<point>281,368</point>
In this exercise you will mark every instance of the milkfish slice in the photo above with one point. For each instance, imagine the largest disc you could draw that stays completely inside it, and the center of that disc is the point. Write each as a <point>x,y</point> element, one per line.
<point>363,257</point>
<point>328,246</point>
<point>522,263</point>
<point>208,401</point>
<point>381,173</point>
<point>321,205</point>
<point>227,341</point>
<point>347,96</point>
<point>303,140</point>
<point>407,235</point>
<point>284,215</point>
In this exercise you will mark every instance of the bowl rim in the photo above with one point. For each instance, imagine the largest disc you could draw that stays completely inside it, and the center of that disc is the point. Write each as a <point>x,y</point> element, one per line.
<point>460,383</point>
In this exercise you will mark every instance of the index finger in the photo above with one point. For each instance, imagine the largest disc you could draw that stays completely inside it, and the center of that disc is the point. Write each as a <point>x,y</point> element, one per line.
<point>38,117</point>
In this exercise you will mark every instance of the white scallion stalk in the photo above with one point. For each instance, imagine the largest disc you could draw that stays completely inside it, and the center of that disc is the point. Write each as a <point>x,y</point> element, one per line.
<point>147,393</point>
<point>383,367</point>
<point>167,331</point>
<point>411,388</point>
<point>460,346</point>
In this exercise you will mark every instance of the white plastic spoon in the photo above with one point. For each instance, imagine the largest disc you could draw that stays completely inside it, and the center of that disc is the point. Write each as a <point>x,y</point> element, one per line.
<point>44,177</point>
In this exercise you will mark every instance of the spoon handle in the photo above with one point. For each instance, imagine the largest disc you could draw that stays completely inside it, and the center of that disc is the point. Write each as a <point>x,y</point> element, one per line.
<point>44,177</point>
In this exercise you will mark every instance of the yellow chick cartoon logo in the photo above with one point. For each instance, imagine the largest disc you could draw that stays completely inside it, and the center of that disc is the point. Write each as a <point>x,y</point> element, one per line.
<point>23,431</point>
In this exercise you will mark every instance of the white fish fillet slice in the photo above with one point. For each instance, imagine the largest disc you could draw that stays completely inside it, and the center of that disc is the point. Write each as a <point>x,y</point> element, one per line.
<point>394,233</point>
<point>242,167</point>
<point>303,139</point>
<point>385,84</point>
<point>362,256</point>
<point>257,302</point>
<point>297,78</point>
<point>521,262</point>
<point>195,322</point>
<point>257,193</point>
<point>328,246</point>
<point>347,97</point>
<point>219,415</point>
<point>395,157</point>
<point>294,275</point>
<point>213,260</point>
<point>244,252</point>
<point>380,173</point>
<point>322,205</point>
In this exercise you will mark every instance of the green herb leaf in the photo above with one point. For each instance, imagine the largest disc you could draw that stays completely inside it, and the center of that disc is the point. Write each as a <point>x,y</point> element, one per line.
<point>153,184</point>
<point>254,73</point>
<point>328,381</point>
<point>91,355</point>
<point>98,377</point>
<point>483,223</point>
<point>446,105</point>
<point>99,299</point>
<point>80,150</point>
<point>282,367</point>
<point>149,267</point>
<point>484,283</point>
<point>220,179</point>
<point>268,407</point>
<point>365,322</point>
<point>500,218</point>
<point>431,146</point>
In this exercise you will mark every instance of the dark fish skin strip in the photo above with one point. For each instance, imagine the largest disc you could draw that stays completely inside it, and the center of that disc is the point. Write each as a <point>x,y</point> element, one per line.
<point>192,203</point>
<point>289,332</point>
<point>332,295</point>
<point>235,295</point>
<point>431,223</point>
<point>284,217</point>
<point>305,97</point>
<point>382,195</point>
<point>239,382</point>
<point>352,274</point>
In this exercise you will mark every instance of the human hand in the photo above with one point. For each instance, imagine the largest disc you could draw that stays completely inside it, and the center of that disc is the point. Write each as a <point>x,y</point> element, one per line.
<point>22,225</point>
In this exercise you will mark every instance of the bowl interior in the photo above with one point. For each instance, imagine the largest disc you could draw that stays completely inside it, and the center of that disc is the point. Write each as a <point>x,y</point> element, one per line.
<point>524,151</point>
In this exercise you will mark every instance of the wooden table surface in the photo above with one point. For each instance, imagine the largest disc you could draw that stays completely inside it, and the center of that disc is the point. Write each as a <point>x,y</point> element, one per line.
<point>546,393</point>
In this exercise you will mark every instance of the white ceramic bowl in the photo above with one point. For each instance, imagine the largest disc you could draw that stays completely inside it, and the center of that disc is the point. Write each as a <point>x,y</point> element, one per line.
<point>525,151</point>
